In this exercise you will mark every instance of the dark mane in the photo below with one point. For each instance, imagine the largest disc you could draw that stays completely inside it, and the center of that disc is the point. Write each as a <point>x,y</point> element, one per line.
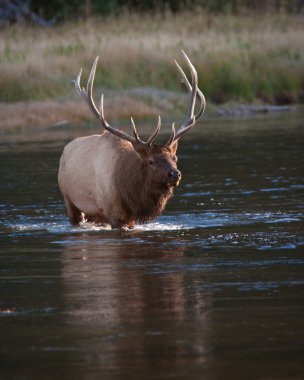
<point>141,199</point>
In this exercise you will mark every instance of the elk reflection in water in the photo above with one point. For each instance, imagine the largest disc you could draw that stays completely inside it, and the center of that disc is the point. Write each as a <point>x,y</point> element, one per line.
<point>136,300</point>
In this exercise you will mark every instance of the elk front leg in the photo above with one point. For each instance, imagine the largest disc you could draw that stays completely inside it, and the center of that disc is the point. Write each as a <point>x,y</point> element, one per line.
<point>74,214</point>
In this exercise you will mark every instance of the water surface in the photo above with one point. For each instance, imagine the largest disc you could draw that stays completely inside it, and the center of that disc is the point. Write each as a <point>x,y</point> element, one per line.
<point>213,289</point>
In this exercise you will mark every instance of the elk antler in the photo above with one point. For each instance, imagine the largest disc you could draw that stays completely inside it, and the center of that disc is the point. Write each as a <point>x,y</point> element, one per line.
<point>194,91</point>
<point>88,97</point>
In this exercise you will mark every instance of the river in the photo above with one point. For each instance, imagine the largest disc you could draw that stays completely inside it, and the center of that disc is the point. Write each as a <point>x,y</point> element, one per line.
<point>213,289</point>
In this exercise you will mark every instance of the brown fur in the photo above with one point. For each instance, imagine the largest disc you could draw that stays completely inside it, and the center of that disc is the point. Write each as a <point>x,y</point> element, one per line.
<point>141,197</point>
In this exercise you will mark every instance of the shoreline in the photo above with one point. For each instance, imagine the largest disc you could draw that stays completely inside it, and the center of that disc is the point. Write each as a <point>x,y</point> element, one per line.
<point>44,114</point>
<point>72,119</point>
<point>142,104</point>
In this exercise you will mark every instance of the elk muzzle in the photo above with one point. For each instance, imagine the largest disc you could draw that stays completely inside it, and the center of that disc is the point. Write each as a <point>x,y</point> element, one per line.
<point>173,177</point>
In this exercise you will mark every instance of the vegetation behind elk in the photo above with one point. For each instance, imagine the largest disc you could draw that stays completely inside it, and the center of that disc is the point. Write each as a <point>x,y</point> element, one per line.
<point>244,51</point>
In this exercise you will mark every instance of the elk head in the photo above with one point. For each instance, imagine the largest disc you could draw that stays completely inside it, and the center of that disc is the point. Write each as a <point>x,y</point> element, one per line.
<point>159,161</point>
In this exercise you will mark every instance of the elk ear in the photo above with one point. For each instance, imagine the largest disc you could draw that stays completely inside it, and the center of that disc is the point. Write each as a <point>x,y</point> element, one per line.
<point>174,147</point>
<point>141,150</point>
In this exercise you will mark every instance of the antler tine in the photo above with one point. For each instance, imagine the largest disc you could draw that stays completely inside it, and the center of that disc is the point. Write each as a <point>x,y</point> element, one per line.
<point>101,115</point>
<point>87,96</point>
<point>89,91</point>
<point>155,133</point>
<point>199,92</point>
<point>77,84</point>
<point>194,91</point>
<point>135,132</point>
<point>194,84</point>
<point>172,135</point>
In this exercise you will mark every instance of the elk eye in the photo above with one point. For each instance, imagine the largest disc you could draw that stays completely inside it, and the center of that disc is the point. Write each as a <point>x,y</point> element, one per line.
<point>151,162</point>
<point>174,158</point>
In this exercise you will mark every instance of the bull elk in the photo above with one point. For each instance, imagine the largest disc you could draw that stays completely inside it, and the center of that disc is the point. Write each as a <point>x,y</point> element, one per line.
<point>119,179</point>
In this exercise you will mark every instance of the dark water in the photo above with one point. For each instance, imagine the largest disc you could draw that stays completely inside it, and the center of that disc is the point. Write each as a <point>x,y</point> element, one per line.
<point>213,289</point>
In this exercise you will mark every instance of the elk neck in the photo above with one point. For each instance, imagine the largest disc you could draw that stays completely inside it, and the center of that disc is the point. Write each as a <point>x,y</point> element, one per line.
<point>141,199</point>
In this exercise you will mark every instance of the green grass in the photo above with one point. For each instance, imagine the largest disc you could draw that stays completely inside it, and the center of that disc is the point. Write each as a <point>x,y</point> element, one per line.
<point>252,58</point>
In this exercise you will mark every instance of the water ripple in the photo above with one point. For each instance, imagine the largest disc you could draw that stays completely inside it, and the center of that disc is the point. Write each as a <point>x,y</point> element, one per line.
<point>59,224</point>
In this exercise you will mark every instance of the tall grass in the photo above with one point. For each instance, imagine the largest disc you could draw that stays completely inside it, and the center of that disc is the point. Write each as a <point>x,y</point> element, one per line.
<point>255,58</point>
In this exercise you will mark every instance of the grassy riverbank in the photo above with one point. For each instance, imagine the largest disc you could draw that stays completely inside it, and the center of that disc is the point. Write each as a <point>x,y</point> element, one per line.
<point>255,58</point>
